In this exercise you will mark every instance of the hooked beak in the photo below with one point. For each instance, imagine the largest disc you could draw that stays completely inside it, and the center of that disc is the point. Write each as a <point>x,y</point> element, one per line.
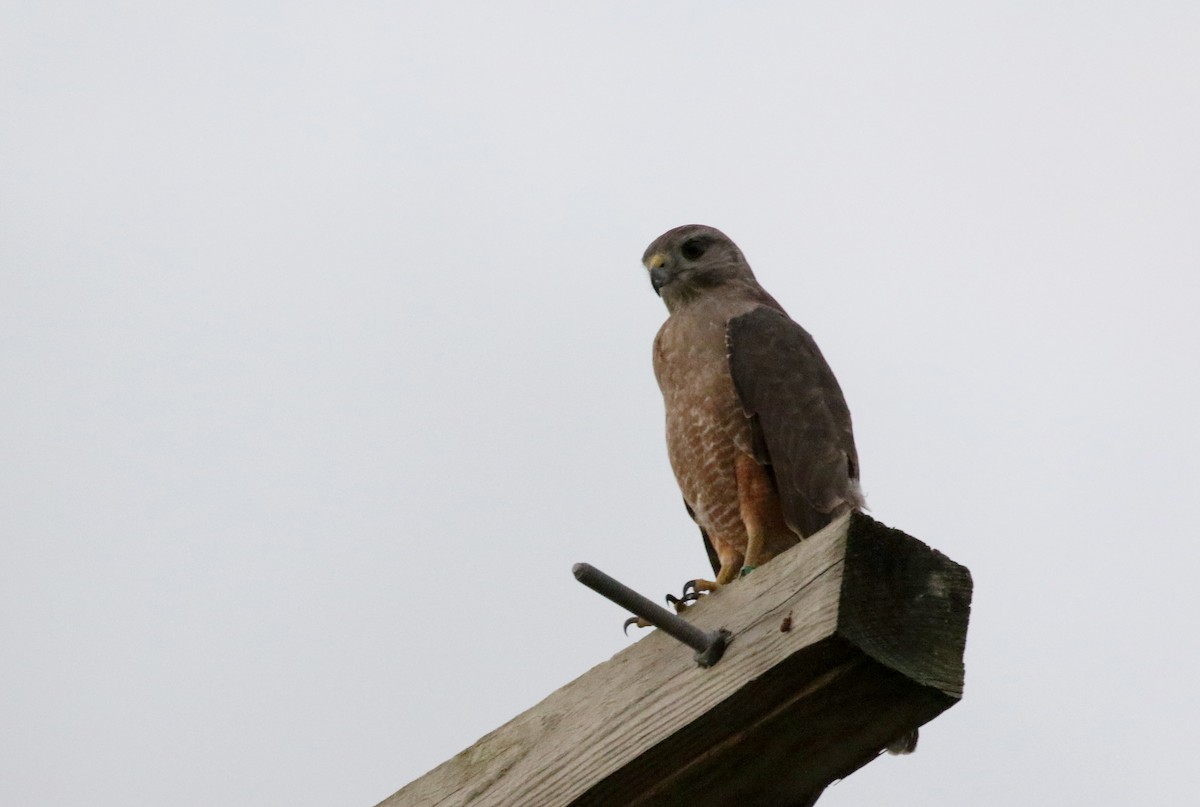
<point>659,274</point>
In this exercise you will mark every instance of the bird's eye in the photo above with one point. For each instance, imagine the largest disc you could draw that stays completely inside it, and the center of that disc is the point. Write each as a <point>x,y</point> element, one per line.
<point>693,248</point>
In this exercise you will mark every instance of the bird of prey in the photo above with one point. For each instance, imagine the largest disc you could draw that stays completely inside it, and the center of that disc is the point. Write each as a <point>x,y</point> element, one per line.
<point>758,431</point>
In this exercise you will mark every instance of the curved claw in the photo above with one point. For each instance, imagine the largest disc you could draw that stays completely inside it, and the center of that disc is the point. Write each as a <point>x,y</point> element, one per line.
<point>690,590</point>
<point>633,620</point>
<point>681,603</point>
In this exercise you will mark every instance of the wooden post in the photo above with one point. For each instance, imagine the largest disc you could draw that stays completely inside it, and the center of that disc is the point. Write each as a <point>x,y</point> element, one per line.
<point>840,645</point>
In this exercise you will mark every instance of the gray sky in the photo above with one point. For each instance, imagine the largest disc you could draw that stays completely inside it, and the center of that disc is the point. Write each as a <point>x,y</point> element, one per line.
<point>325,350</point>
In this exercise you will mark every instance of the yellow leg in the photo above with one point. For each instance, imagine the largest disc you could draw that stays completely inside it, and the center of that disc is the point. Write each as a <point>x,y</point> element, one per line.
<point>754,548</point>
<point>731,564</point>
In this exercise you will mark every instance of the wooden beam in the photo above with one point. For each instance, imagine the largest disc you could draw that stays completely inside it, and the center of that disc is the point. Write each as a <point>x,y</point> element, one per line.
<point>842,644</point>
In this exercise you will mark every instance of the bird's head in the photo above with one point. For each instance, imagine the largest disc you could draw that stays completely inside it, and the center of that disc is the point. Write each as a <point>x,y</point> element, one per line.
<point>689,260</point>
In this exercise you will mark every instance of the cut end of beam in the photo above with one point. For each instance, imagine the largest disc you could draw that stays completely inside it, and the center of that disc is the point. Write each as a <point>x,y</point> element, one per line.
<point>844,643</point>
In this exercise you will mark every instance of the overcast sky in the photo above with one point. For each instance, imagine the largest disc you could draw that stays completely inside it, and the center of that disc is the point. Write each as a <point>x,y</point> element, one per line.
<point>325,352</point>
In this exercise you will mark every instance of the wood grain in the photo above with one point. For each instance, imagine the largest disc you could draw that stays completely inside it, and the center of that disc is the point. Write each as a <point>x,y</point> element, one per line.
<point>841,644</point>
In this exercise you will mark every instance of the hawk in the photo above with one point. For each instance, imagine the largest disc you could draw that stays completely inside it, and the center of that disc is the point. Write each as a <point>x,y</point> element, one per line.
<point>758,431</point>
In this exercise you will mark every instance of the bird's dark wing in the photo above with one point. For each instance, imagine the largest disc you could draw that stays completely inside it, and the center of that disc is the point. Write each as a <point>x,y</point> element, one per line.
<point>801,421</point>
<point>708,547</point>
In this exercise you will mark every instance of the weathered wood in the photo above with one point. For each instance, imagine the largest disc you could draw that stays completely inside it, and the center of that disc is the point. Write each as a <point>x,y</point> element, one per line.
<point>845,642</point>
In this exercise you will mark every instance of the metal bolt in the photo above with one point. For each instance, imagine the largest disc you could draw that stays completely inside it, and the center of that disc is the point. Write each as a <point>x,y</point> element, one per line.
<point>709,645</point>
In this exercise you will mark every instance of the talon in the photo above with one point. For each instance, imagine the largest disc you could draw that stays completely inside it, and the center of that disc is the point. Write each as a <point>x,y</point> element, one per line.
<point>634,620</point>
<point>680,604</point>
<point>694,589</point>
